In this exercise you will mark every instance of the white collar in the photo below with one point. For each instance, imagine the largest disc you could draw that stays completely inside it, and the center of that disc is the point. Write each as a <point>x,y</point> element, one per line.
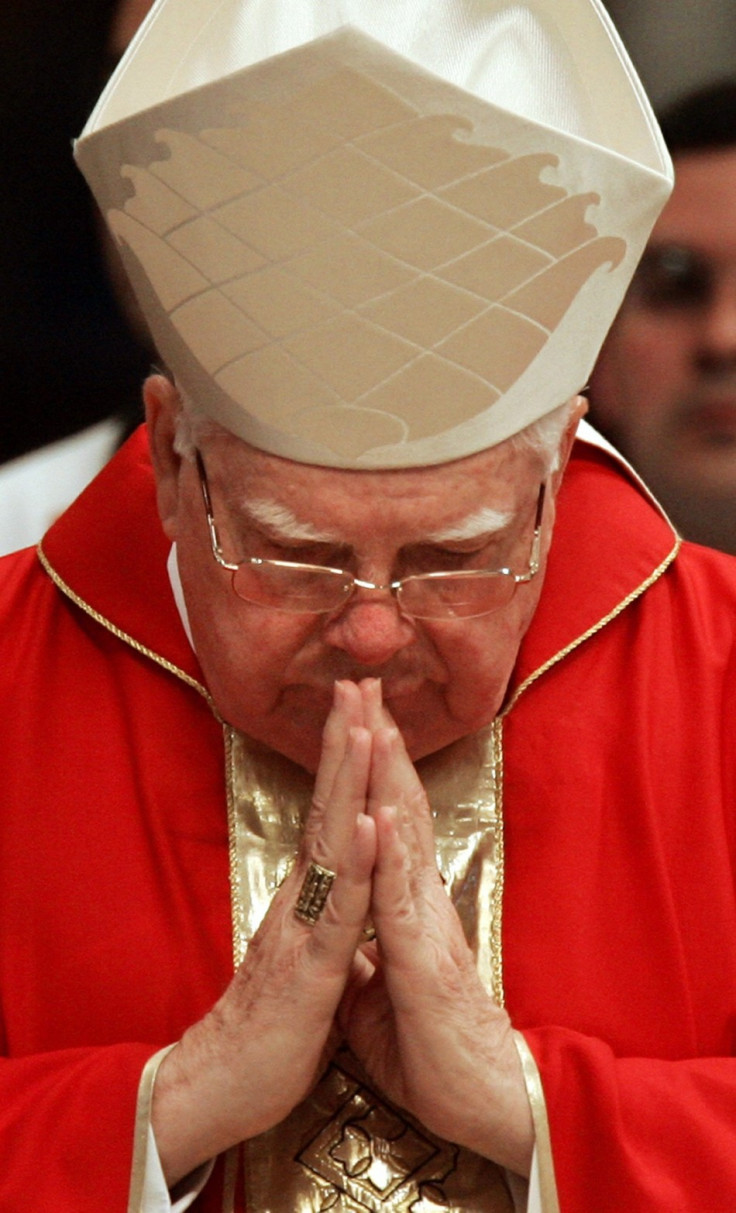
<point>172,568</point>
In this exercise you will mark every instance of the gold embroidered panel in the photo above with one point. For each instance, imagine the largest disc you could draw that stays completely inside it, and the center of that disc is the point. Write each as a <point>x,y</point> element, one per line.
<point>345,1148</point>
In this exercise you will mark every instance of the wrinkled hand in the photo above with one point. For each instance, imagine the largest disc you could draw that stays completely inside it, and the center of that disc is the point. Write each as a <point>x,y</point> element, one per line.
<point>256,1055</point>
<point>415,1012</point>
<point>410,1004</point>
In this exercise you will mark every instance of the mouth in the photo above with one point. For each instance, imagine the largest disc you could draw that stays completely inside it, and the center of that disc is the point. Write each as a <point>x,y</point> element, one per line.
<point>396,690</point>
<point>713,418</point>
<point>401,688</point>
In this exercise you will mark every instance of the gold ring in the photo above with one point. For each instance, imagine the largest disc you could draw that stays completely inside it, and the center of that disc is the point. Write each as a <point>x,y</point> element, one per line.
<point>313,893</point>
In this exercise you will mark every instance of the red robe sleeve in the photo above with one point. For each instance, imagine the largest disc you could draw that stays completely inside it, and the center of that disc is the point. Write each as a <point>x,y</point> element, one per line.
<point>67,1122</point>
<point>637,1133</point>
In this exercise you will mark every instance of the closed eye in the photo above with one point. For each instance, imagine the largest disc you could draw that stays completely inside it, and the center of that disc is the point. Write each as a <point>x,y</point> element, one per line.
<point>322,554</point>
<point>467,555</point>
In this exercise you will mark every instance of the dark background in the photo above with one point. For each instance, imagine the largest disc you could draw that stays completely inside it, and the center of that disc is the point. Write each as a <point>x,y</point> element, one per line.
<point>67,356</point>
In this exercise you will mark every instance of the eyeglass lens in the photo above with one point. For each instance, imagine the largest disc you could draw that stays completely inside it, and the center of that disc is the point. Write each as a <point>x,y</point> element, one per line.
<point>320,590</point>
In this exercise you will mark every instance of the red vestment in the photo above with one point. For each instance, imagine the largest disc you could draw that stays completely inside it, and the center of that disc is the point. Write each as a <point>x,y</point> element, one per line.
<point>619,924</point>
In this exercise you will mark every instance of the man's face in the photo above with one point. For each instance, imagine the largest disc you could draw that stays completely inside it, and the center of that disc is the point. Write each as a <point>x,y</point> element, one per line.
<point>665,384</point>
<point>270,672</point>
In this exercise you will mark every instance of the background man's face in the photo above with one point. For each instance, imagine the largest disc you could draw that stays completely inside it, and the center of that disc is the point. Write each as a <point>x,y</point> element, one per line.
<point>664,388</point>
<point>272,673</point>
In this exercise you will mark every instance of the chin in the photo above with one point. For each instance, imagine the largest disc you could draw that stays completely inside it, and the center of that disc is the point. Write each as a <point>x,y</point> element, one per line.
<point>430,725</point>
<point>298,740</point>
<point>300,745</point>
<point>420,741</point>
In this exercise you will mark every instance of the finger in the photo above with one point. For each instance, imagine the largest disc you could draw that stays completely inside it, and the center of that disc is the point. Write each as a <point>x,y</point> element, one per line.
<point>393,907</point>
<point>309,961</point>
<point>333,941</point>
<point>330,825</point>
<point>375,713</point>
<point>340,838</point>
<point>417,926</point>
<point>346,712</point>
<point>394,781</point>
<point>423,949</point>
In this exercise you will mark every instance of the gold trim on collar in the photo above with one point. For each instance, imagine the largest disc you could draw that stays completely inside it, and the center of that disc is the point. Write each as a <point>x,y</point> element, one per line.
<point>621,606</point>
<point>121,635</point>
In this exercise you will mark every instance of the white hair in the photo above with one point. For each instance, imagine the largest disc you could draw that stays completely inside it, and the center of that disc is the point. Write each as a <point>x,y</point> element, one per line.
<point>193,427</point>
<point>543,437</point>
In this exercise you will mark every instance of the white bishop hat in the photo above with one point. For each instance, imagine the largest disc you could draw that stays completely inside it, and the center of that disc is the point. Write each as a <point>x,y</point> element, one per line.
<point>377,233</point>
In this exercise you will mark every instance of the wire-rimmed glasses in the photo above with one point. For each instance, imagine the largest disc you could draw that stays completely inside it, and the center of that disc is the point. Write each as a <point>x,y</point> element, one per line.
<point>285,585</point>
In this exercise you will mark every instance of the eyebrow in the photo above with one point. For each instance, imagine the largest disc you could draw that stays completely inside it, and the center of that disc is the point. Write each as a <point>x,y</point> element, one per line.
<point>485,521</point>
<point>279,520</point>
<point>283,523</point>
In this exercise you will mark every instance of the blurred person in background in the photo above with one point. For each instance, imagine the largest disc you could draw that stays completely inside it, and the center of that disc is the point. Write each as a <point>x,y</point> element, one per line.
<point>664,388</point>
<point>73,350</point>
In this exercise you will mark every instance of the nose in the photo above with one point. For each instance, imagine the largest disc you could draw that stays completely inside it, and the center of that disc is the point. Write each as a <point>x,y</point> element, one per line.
<point>370,629</point>
<point>718,325</point>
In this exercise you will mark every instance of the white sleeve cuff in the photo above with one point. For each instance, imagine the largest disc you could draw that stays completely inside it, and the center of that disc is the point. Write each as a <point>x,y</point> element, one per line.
<point>156,1196</point>
<point>148,1190</point>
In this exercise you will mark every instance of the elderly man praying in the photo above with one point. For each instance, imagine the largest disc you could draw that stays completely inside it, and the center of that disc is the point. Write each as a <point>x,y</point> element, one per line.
<point>367,767</point>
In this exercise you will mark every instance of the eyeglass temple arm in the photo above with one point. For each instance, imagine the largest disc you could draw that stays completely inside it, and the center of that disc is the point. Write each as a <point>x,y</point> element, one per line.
<point>214,537</point>
<point>537,536</point>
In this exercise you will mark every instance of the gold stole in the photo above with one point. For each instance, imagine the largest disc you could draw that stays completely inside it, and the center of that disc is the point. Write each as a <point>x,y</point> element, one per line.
<point>345,1148</point>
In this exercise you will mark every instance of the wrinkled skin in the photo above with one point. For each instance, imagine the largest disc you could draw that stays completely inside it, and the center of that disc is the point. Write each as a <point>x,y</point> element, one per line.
<point>412,994</point>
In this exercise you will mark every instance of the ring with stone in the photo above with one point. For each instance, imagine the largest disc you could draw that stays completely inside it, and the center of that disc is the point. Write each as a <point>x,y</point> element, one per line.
<point>313,893</point>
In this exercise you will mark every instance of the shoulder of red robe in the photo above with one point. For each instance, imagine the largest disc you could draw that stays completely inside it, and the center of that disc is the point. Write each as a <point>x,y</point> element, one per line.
<point>611,543</point>
<point>108,553</point>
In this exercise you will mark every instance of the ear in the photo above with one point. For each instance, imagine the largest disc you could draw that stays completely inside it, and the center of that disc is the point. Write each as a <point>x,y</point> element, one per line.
<point>578,411</point>
<point>163,404</point>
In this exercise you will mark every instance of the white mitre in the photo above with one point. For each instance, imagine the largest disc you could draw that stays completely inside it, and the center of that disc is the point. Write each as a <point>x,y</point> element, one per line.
<point>377,233</point>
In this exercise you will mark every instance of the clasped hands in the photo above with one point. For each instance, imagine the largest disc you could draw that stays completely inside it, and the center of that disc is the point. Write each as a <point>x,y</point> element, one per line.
<point>409,1002</point>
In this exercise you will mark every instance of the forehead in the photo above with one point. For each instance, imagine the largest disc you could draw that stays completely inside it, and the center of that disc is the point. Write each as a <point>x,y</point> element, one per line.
<point>417,499</point>
<point>702,208</point>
